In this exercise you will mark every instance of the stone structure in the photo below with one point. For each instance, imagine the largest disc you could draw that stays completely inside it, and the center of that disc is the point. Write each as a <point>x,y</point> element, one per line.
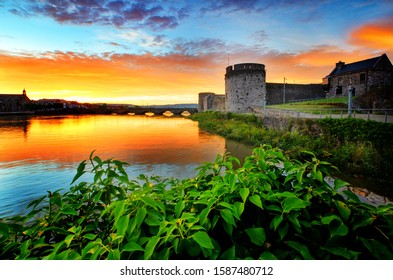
<point>13,102</point>
<point>293,92</point>
<point>245,87</point>
<point>363,76</point>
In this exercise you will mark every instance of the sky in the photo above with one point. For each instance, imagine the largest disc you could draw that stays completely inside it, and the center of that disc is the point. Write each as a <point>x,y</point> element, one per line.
<point>166,52</point>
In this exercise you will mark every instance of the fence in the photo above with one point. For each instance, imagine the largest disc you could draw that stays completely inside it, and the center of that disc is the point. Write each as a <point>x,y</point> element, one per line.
<point>379,115</point>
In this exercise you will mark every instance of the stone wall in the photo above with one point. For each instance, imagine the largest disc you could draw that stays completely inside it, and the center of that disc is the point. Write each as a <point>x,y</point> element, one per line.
<point>209,101</point>
<point>361,82</point>
<point>293,92</point>
<point>203,103</point>
<point>245,87</point>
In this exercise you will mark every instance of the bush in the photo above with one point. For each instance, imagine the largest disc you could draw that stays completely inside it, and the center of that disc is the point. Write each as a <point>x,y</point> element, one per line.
<point>270,208</point>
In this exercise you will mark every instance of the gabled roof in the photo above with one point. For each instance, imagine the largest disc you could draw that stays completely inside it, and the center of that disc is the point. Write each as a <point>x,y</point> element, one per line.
<point>358,66</point>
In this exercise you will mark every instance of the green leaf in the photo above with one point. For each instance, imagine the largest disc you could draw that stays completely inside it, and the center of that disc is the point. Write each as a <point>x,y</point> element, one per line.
<point>122,225</point>
<point>244,192</point>
<point>203,239</point>
<point>69,211</point>
<point>256,235</point>
<point>227,216</point>
<point>342,252</point>
<point>294,203</point>
<point>345,212</point>
<point>256,199</point>
<point>90,236</point>
<point>149,201</point>
<point>140,216</point>
<point>295,222</point>
<point>301,248</point>
<point>276,221</point>
<point>179,208</point>
<point>336,226</point>
<point>80,171</point>
<point>4,230</point>
<point>377,249</point>
<point>328,219</point>
<point>151,246</point>
<point>24,249</point>
<point>68,240</point>
<point>267,256</point>
<point>283,230</point>
<point>338,184</point>
<point>239,208</point>
<point>119,209</point>
<point>229,254</point>
<point>352,196</point>
<point>203,215</point>
<point>230,179</point>
<point>114,254</point>
<point>299,175</point>
<point>132,246</point>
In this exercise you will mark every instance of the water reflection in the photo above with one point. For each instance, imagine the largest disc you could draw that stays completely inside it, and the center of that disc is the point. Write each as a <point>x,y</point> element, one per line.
<point>38,154</point>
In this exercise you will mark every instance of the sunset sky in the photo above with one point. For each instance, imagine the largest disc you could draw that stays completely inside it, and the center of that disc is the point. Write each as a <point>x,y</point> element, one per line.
<point>165,52</point>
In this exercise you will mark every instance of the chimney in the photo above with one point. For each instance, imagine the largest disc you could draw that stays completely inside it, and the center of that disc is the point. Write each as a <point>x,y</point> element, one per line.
<point>340,64</point>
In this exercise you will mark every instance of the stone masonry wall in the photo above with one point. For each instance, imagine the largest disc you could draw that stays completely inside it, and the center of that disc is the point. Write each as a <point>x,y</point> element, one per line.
<point>293,92</point>
<point>245,87</point>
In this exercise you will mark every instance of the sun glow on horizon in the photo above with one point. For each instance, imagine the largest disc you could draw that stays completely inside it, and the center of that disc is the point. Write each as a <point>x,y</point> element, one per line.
<point>104,55</point>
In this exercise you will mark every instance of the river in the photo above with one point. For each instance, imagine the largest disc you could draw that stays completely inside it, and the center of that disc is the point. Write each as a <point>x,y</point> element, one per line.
<point>40,154</point>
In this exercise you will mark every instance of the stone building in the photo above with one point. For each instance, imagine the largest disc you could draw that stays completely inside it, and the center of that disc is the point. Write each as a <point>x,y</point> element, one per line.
<point>13,102</point>
<point>209,101</point>
<point>245,87</point>
<point>363,76</point>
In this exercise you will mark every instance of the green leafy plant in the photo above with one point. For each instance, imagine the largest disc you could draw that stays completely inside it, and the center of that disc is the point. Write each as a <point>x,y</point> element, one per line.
<point>271,207</point>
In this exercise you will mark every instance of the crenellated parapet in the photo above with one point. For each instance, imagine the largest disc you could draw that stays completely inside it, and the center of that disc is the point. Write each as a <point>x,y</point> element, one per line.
<point>245,68</point>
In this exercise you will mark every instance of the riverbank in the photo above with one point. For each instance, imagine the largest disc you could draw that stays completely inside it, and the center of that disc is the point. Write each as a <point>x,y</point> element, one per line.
<point>359,148</point>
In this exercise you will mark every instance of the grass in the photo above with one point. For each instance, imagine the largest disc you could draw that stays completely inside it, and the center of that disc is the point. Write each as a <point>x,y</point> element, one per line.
<point>325,106</point>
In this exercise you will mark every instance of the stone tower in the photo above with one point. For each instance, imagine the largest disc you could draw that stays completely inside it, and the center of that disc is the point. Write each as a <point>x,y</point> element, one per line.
<point>245,87</point>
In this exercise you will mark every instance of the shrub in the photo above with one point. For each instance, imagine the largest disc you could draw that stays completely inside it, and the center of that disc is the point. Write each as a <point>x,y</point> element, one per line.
<point>270,208</point>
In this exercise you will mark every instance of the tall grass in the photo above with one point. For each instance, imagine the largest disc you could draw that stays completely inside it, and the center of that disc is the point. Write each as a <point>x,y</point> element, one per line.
<point>357,147</point>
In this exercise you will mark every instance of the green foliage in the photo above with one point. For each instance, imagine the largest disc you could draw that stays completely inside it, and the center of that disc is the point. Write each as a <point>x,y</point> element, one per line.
<point>360,147</point>
<point>355,146</point>
<point>269,208</point>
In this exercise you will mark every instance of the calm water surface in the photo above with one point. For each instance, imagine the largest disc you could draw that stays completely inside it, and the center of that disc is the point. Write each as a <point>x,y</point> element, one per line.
<point>40,154</point>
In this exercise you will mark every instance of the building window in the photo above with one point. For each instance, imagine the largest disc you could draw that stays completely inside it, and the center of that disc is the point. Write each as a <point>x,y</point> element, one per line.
<point>339,90</point>
<point>363,78</point>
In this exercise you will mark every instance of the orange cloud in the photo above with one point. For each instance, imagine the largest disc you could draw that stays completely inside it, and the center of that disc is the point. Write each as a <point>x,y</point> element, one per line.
<point>309,66</point>
<point>377,35</point>
<point>148,79</point>
<point>111,78</point>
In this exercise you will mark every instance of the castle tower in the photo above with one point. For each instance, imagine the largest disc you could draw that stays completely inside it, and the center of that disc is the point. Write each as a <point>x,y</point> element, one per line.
<point>24,92</point>
<point>245,87</point>
<point>203,102</point>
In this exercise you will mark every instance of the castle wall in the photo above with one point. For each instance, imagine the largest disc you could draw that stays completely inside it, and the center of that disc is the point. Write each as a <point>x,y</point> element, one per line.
<point>209,101</point>
<point>203,103</point>
<point>244,87</point>
<point>293,92</point>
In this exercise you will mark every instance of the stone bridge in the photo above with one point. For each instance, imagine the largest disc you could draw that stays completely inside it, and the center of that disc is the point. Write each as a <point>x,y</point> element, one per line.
<point>159,111</point>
